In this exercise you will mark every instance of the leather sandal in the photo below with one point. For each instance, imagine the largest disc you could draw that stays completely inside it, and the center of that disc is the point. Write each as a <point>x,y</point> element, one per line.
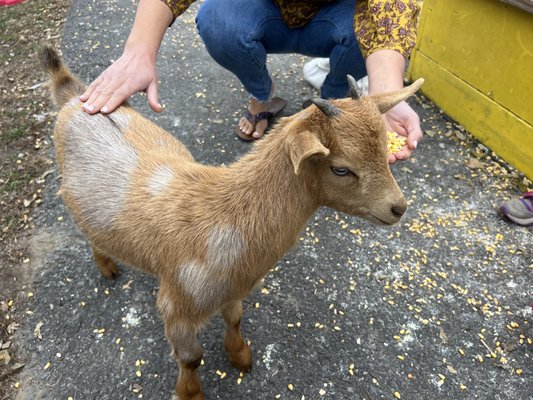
<point>275,106</point>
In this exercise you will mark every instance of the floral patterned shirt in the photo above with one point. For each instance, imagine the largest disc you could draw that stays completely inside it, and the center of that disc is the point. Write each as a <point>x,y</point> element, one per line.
<point>378,24</point>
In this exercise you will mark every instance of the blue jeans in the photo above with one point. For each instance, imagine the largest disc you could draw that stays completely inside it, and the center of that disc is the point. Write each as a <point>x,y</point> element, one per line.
<point>239,34</point>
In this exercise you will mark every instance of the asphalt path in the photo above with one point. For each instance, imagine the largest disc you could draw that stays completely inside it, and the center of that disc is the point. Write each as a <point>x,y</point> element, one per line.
<point>437,307</point>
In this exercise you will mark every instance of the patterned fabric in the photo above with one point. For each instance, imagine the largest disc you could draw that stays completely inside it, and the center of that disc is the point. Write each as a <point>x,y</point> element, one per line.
<point>378,24</point>
<point>386,24</point>
<point>178,7</point>
<point>297,13</point>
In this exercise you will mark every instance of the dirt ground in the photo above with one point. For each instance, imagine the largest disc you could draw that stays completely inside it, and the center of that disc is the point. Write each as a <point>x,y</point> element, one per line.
<point>25,137</point>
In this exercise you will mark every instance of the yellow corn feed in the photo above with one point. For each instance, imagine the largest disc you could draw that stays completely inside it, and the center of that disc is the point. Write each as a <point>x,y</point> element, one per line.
<point>395,142</point>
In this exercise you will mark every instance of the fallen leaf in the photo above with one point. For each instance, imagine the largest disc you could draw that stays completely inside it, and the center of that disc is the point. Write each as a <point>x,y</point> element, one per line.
<point>475,164</point>
<point>451,369</point>
<point>12,327</point>
<point>37,330</point>
<point>443,336</point>
<point>5,357</point>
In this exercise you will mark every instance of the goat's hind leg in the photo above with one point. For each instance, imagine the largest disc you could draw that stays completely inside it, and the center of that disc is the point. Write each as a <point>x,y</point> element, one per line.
<point>238,350</point>
<point>106,265</point>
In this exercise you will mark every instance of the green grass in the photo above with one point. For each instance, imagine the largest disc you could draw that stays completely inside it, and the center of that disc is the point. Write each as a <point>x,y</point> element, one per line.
<point>12,134</point>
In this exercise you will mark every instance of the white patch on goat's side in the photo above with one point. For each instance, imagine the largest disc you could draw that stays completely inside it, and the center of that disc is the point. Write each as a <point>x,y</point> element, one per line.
<point>207,289</point>
<point>209,284</point>
<point>98,167</point>
<point>225,245</point>
<point>193,277</point>
<point>199,284</point>
<point>160,179</point>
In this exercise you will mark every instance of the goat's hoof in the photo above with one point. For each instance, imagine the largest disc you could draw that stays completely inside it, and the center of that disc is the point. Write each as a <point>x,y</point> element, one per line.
<point>188,396</point>
<point>110,271</point>
<point>242,360</point>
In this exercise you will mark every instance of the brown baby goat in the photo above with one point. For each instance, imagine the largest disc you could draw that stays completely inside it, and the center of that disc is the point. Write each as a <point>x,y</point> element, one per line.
<point>212,233</point>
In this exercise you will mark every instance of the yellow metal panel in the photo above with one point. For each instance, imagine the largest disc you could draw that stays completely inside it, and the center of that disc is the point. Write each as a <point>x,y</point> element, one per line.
<point>495,126</point>
<point>486,43</point>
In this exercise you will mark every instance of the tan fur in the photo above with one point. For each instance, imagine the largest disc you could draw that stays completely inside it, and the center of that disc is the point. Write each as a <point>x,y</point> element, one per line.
<point>211,233</point>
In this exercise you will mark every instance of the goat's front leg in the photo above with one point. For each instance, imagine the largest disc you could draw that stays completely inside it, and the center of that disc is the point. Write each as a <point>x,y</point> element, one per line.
<point>188,353</point>
<point>182,334</point>
<point>238,350</point>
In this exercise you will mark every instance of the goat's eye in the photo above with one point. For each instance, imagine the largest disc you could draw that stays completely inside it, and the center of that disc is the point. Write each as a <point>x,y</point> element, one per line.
<point>340,171</point>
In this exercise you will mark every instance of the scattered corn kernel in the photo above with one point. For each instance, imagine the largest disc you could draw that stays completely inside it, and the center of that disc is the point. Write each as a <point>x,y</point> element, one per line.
<point>397,395</point>
<point>290,386</point>
<point>462,387</point>
<point>518,371</point>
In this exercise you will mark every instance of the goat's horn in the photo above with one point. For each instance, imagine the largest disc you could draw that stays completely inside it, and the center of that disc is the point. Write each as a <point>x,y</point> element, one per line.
<point>327,107</point>
<point>385,101</point>
<point>355,91</point>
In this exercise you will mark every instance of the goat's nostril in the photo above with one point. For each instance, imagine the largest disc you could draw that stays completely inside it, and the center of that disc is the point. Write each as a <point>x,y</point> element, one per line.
<point>399,209</point>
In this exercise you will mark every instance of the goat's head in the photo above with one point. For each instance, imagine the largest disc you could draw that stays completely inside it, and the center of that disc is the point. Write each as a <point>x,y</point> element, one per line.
<point>340,147</point>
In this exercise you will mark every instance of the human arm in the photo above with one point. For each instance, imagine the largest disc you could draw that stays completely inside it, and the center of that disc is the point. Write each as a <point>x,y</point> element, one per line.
<point>385,74</point>
<point>386,34</point>
<point>135,70</point>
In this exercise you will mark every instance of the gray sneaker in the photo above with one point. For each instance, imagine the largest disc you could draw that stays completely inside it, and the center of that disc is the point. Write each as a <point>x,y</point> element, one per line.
<point>519,210</point>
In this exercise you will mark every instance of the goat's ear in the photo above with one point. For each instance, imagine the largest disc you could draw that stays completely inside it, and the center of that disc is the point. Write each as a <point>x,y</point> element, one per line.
<point>304,145</point>
<point>385,101</point>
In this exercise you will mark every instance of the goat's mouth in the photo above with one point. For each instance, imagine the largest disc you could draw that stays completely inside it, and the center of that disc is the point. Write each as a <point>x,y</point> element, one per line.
<point>379,221</point>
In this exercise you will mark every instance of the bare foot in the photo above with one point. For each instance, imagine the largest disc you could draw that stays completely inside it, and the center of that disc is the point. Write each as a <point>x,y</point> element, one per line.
<point>257,130</point>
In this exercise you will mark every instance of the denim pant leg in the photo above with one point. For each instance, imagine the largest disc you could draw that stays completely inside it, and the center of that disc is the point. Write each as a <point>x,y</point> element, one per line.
<point>239,34</point>
<point>233,32</point>
<point>331,34</point>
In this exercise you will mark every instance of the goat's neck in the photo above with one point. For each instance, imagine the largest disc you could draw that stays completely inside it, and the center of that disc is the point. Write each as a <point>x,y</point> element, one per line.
<point>274,201</point>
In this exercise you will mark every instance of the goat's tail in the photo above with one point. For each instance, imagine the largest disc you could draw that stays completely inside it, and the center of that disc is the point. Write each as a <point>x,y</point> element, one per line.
<point>63,84</point>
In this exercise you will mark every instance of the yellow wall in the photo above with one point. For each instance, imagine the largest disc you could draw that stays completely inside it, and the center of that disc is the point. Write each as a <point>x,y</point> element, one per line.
<point>477,59</point>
